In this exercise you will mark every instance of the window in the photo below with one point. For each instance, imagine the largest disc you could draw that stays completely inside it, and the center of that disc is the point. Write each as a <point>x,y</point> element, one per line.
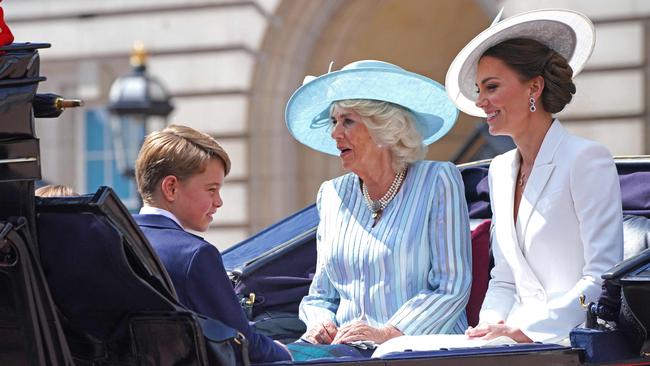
<point>102,167</point>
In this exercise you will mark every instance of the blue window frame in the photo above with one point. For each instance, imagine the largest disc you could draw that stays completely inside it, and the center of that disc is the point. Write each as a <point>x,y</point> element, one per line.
<point>102,168</point>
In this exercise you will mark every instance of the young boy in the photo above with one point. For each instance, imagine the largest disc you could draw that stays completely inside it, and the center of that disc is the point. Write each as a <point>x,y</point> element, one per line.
<point>179,172</point>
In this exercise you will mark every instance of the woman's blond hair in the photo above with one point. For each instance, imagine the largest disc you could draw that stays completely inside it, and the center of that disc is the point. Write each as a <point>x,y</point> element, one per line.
<point>177,150</point>
<point>389,125</point>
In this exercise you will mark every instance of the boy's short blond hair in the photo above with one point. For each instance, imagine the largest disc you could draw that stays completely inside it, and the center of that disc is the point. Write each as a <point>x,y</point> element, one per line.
<point>177,150</point>
<point>55,190</point>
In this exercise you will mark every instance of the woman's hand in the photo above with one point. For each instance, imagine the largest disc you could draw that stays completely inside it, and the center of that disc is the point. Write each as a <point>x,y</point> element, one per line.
<point>360,331</point>
<point>323,333</point>
<point>491,331</point>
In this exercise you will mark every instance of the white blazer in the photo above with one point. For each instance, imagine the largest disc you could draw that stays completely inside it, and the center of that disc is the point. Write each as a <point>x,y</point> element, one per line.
<point>571,231</point>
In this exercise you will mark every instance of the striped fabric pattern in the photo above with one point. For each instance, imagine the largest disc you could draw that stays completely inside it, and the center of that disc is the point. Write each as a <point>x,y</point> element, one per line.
<point>412,270</point>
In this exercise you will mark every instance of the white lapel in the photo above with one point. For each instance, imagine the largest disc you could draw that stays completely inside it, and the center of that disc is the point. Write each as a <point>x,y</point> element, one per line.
<point>508,190</point>
<point>541,173</point>
<point>504,194</point>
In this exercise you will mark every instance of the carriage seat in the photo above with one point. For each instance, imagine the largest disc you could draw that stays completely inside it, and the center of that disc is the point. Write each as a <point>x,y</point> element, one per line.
<point>480,271</point>
<point>114,295</point>
<point>636,235</point>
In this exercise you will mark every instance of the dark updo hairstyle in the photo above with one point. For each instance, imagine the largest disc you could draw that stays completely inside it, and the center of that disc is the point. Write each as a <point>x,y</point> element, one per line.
<point>530,58</point>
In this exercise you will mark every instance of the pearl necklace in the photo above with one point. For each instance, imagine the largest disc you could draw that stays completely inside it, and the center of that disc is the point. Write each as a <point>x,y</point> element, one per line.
<point>379,205</point>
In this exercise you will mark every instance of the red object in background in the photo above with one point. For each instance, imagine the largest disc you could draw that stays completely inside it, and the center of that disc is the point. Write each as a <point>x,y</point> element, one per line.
<point>6,37</point>
<point>480,271</point>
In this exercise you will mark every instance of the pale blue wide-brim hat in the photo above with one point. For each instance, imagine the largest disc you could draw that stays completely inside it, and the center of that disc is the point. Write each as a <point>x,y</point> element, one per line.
<point>308,110</point>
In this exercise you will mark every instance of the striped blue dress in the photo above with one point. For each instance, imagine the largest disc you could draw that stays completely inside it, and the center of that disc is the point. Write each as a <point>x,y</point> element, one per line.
<point>412,270</point>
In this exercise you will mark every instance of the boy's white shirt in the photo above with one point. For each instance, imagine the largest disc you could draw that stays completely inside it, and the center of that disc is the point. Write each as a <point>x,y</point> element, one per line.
<point>150,210</point>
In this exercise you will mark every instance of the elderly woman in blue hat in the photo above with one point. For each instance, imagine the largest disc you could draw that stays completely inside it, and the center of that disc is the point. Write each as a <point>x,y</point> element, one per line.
<point>394,254</point>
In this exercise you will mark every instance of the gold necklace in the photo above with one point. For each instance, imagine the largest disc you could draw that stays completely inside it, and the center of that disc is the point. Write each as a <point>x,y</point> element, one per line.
<point>522,179</point>
<point>521,182</point>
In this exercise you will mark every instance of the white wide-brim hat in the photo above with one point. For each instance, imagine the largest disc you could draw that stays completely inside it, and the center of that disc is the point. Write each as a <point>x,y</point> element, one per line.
<point>308,111</point>
<point>569,33</point>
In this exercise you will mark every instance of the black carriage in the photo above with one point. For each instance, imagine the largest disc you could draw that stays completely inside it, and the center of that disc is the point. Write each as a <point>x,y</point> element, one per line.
<point>80,284</point>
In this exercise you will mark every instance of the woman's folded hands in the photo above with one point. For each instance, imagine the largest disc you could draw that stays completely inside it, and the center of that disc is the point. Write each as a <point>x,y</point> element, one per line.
<point>361,331</point>
<point>322,333</point>
<point>490,331</point>
<point>328,333</point>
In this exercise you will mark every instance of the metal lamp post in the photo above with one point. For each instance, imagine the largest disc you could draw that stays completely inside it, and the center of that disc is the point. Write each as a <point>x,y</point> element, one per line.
<point>138,104</point>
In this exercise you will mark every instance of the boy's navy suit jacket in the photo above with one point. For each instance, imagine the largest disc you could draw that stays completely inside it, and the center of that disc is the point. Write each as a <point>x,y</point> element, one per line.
<point>196,269</point>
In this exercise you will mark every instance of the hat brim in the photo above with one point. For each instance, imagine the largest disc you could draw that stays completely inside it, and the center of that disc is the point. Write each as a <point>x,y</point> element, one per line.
<point>569,33</point>
<point>307,113</point>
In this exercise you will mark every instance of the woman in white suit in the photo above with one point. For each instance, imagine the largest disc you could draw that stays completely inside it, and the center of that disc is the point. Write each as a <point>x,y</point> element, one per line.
<point>557,220</point>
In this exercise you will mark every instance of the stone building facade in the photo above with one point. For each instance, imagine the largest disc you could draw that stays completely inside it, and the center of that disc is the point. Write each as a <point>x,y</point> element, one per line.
<point>231,66</point>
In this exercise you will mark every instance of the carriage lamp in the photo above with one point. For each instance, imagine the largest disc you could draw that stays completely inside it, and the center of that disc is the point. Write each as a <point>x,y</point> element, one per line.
<point>138,104</point>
